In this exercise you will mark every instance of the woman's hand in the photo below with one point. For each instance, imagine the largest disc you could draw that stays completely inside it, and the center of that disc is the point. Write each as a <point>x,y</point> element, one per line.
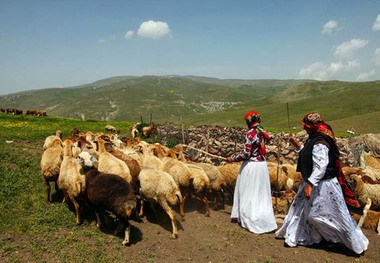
<point>307,190</point>
<point>229,159</point>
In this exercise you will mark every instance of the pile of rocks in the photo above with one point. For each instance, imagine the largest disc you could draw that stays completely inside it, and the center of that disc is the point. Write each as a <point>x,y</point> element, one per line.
<point>212,143</point>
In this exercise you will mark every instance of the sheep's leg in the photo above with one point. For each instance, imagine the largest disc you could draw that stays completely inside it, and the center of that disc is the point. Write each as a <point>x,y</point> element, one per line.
<point>77,211</point>
<point>48,189</point>
<point>123,223</point>
<point>205,201</point>
<point>171,214</point>
<point>141,212</point>
<point>182,207</point>
<point>365,211</point>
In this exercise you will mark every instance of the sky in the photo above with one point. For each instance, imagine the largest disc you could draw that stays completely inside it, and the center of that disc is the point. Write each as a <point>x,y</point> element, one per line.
<point>64,43</point>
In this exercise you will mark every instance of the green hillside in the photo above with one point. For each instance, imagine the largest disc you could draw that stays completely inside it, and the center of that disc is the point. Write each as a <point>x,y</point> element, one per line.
<point>200,100</point>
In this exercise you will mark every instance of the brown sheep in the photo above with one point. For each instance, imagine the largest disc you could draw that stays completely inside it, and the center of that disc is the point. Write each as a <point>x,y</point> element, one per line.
<point>109,192</point>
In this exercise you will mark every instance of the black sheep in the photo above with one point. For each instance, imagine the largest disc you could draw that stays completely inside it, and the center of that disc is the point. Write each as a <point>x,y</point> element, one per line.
<point>110,192</point>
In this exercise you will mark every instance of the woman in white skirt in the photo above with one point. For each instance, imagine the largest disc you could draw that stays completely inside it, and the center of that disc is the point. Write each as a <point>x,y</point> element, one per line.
<point>252,207</point>
<point>320,210</point>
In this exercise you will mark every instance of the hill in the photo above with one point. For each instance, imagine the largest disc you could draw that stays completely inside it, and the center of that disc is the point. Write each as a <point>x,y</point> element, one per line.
<point>196,100</point>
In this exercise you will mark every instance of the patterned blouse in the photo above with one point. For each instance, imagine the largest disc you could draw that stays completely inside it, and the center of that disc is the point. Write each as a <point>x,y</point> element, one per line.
<point>251,148</point>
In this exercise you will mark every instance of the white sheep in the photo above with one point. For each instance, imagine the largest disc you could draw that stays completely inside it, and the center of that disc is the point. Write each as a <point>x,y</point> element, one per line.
<point>107,163</point>
<point>159,187</point>
<point>70,180</point>
<point>50,164</point>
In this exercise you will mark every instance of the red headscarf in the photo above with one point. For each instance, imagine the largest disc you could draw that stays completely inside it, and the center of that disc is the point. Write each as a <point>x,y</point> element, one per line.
<point>315,122</point>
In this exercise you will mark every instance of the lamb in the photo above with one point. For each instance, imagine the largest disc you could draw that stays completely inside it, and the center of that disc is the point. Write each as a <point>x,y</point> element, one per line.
<point>50,164</point>
<point>70,180</point>
<point>111,164</point>
<point>363,191</point>
<point>51,138</point>
<point>159,187</point>
<point>109,192</point>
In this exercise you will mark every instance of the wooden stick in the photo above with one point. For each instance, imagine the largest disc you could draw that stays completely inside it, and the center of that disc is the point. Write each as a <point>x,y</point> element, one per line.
<point>199,150</point>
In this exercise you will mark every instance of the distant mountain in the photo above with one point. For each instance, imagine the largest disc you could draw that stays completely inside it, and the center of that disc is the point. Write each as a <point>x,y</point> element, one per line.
<point>200,100</point>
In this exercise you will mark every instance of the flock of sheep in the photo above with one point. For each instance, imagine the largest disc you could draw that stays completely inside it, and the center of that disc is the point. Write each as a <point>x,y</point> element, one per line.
<point>116,176</point>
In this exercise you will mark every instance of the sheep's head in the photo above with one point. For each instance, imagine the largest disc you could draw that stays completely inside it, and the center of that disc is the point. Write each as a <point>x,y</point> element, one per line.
<point>85,159</point>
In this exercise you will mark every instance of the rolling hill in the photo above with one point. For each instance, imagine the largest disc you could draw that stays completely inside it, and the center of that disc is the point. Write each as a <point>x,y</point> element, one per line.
<point>196,100</point>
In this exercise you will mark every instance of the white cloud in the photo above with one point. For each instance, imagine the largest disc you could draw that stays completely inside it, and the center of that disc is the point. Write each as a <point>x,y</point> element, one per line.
<point>376,24</point>
<point>316,71</point>
<point>321,71</point>
<point>154,29</point>
<point>365,76</point>
<point>329,27</point>
<point>377,56</point>
<point>347,49</point>
<point>129,34</point>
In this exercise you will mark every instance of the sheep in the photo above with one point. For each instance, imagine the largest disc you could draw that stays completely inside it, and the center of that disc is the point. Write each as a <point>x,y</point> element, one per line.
<point>82,144</point>
<point>111,164</point>
<point>217,182</point>
<point>109,192</point>
<point>71,182</point>
<point>159,187</point>
<point>50,164</point>
<point>134,130</point>
<point>181,175</point>
<point>363,191</point>
<point>149,159</point>
<point>51,138</point>
<point>370,218</point>
<point>282,203</point>
<point>283,176</point>
<point>200,183</point>
<point>110,129</point>
<point>230,172</point>
<point>147,131</point>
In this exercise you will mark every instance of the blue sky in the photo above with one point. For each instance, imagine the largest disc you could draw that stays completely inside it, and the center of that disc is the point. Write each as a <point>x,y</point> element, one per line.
<point>62,43</point>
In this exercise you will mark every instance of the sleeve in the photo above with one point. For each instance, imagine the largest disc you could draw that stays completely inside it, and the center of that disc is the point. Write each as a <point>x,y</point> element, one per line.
<point>320,158</point>
<point>245,154</point>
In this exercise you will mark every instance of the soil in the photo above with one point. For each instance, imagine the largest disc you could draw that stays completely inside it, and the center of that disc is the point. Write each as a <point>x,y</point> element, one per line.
<point>200,239</point>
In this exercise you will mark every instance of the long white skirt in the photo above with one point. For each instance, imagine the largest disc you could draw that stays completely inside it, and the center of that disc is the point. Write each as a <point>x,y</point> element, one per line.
<point>324,216</point>
<point>252,206</point>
